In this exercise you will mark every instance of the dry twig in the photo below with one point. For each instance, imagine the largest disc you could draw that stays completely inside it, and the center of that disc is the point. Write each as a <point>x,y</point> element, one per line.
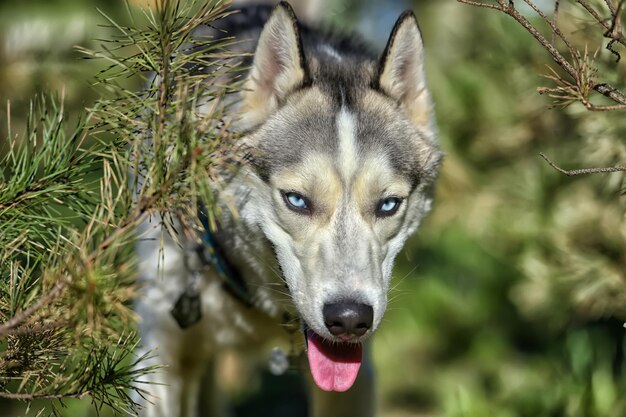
<point>508,8</point>
<point>613,25</point>
<point>580,81</point>
<point>582,171</point>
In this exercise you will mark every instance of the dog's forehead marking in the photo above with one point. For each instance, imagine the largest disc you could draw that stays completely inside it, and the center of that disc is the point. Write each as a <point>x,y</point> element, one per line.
<point>348,155</point>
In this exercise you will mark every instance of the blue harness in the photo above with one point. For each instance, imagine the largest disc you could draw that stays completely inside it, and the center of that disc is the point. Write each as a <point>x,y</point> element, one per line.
<point>211,254</point>
<point>187,310</point>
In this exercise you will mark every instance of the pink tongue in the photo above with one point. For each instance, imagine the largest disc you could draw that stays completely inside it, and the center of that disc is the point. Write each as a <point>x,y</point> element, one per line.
<point>334,366</point>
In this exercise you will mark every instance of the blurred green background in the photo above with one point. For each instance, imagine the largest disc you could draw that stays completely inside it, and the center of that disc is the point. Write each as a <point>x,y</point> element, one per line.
<point>511,300</point>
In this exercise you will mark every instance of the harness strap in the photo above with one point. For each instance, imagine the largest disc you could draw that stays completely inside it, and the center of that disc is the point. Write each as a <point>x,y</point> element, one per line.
<point>210,253</point>
<point>187,310</point>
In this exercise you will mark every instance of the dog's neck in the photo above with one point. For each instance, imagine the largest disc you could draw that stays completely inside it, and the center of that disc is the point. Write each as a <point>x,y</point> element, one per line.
<point>252,254</point>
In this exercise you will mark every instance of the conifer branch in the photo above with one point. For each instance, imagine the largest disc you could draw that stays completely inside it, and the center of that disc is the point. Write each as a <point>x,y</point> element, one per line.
<point>25,315</point>
<point>71,199</point>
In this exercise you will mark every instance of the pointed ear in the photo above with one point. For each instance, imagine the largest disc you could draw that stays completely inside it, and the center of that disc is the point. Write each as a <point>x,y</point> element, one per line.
<point>401,72</point>
<point>279,65</point>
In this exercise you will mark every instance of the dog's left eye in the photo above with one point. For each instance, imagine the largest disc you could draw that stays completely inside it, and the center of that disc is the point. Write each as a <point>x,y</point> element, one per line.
<point>296,202</point>
<point>388,206</point>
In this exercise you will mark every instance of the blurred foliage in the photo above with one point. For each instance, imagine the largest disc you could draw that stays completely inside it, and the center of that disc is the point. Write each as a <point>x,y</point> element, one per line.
<point>517,303</point>
<point>37,52</point>
<point>511,300</point>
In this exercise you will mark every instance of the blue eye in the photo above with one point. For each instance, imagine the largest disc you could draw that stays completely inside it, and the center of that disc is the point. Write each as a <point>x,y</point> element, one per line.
<point>388,206</point>
<point>296,202</point>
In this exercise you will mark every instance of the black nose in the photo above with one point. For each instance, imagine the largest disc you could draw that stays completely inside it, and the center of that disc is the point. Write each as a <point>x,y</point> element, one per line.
<point>348,318</point>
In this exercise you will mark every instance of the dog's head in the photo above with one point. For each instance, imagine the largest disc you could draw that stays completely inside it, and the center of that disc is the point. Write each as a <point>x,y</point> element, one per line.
<point>346,157</point>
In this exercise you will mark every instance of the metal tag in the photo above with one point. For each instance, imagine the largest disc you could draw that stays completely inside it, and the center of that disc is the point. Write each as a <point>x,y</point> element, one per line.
<point>187,310</point>
<point>279,361</point>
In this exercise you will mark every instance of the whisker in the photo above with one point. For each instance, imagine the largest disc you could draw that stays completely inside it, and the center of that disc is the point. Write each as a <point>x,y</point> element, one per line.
<point>394,288</point>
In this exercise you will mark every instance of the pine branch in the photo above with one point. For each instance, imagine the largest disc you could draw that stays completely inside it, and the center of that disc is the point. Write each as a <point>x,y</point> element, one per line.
<point>42,396</point>
<point>25,315</point>
<point>154,152</point>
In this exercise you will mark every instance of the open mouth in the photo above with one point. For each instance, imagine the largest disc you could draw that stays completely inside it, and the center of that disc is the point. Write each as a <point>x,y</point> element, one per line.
<point>334,365</point>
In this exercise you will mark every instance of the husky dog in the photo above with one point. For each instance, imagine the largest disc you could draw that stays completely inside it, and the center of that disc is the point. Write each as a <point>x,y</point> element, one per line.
<point>344,162</point>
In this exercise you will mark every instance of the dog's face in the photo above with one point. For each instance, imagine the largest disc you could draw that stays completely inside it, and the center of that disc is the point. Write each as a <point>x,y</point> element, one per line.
<point>346,156</point>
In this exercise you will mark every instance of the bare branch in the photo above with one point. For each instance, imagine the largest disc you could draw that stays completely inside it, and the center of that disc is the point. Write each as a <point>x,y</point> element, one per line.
<point>610,92</point>
<point>582,171</point>
<point>605,108</point>
<point>612,25</point>
<point>615,32</point>
<point>610,6</point>
<point>603,88</point>
<point>593,13</point>
<point>480,4</point>
<point>555,18</point>
<point>555,30</point>
<point>556,55</point>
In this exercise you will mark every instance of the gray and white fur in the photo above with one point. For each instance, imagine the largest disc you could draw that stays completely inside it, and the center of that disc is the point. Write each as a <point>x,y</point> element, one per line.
<point>345,159</point>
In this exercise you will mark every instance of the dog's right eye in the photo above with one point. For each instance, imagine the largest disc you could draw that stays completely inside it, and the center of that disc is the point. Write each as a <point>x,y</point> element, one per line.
<point>388,206</point>
<point>296,202</point>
